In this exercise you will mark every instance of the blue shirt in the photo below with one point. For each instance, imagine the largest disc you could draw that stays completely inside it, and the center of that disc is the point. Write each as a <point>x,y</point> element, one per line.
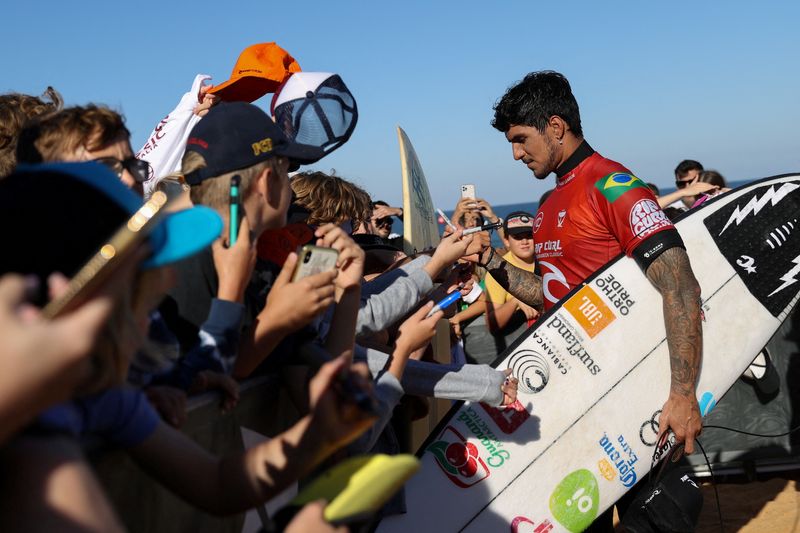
<point>120,417</point>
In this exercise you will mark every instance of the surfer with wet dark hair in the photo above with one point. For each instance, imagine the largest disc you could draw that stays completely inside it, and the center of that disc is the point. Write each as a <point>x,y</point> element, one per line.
<point>598,210</point>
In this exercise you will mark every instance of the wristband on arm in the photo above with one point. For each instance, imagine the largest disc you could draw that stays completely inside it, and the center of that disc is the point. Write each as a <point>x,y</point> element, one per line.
<point>486,264</point>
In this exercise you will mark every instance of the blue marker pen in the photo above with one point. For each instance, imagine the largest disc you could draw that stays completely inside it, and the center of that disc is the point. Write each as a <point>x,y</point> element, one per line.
<point>444,303</point>
<point>235,204</point>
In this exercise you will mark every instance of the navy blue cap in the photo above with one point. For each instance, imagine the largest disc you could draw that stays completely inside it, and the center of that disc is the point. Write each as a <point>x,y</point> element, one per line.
<point>238,135</point>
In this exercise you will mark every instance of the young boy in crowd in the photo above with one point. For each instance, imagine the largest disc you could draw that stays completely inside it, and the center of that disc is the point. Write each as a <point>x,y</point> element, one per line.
<point>97,133</point>
<point>506,315</point>
<point>48,458</point>
<point>240,139</point>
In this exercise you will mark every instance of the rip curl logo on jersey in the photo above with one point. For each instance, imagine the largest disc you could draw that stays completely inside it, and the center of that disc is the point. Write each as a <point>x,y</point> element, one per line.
<point>458,459</point>
<point>548,249</point>
<point>646,217</point>
<point>756,234</point>
<point>538,222</point>
<point>615,185</point>
<point>550,274</point>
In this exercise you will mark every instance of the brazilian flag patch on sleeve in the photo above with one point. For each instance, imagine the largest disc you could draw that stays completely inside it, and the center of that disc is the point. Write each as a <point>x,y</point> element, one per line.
<point>615,185</point>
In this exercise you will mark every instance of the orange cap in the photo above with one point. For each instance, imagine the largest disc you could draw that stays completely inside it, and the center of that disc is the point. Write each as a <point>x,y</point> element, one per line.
<point>260,69</point>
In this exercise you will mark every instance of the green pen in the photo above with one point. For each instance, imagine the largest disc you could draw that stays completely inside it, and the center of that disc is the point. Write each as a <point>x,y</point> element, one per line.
<point>235,205</point>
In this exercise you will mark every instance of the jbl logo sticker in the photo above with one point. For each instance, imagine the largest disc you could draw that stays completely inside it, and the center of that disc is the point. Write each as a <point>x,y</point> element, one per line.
<point>590,311</point>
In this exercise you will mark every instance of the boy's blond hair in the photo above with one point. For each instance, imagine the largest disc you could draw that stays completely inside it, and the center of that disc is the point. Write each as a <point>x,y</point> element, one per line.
<point>331,199</point>
<point>59,135</point>
<point>215,192</point>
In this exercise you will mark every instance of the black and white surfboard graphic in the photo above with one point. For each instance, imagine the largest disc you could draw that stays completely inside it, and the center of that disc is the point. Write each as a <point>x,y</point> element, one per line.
<point>759,235</point>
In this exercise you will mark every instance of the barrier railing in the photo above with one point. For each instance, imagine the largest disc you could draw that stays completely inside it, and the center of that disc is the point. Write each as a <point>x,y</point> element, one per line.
<point>145,506</point>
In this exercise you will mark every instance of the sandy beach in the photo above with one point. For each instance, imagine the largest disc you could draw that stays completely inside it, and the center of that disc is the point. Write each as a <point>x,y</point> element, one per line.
<point>771,505</point>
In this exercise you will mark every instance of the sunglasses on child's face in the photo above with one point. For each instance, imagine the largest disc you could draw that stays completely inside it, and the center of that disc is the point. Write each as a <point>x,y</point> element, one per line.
<point>140,170</point>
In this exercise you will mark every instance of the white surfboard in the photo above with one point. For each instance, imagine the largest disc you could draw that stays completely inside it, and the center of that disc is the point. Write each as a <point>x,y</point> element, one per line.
<point>420,230</point>
<point>595,372</point>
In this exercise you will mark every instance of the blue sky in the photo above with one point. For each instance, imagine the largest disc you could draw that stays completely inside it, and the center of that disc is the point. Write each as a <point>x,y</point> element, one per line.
<point>656,82</point>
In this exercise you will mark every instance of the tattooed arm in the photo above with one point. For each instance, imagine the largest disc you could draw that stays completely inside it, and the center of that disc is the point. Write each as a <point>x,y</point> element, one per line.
<point>523,285</point>
<point>672,275</point>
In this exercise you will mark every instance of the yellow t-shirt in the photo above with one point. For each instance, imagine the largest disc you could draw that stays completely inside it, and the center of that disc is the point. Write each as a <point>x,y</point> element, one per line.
<point>497,294</point>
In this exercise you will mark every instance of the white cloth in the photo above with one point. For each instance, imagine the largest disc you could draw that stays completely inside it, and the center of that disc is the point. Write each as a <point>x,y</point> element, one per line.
<point>473,294</point>
<point>165,145</point>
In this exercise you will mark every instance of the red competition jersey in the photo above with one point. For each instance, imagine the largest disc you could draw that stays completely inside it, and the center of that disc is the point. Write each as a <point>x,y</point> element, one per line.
<point>597,210</point>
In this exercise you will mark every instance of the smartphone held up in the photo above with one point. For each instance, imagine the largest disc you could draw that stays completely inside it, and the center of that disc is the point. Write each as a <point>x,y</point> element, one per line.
<point>468,191</point>
<point>110,257</point>
<point>313,260</point>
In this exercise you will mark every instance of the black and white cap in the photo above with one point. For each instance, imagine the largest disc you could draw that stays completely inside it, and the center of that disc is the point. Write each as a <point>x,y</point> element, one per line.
<point>315,109</point>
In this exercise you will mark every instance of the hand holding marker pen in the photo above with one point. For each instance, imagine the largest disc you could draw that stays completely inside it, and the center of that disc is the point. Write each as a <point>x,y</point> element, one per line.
<point>470,231</point>
<point>446,220</point>
<point>485,227</point>
<point>235,207</point>
<point>444,303</point>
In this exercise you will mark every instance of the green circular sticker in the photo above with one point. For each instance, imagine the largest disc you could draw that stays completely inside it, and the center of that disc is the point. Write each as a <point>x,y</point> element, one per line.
<point>575,500</point>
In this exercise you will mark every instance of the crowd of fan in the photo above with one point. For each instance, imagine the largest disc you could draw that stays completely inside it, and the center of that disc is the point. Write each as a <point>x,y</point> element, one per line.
<point>190,311</point>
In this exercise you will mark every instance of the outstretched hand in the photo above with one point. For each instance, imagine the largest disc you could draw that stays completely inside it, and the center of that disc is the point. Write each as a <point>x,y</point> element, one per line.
<point>699,187</point>
<point>413,337</point>
<point>452,247</point>
<point>509,388</point>
<point>337,420</point>
<point>418,329</point>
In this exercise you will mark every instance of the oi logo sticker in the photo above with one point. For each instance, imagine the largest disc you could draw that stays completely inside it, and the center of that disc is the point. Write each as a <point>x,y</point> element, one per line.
<point>575,500</point>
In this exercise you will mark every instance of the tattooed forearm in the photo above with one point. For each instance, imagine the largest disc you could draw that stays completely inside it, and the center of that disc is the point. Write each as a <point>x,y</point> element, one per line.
<point>523,285</point>
<point>672,275</point>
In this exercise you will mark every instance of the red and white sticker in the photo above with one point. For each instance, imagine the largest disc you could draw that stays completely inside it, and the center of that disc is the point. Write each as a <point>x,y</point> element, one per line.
<point>646,217</point>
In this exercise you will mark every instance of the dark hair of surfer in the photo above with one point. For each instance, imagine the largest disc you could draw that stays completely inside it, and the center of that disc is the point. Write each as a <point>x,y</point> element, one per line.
<point>532,101</point>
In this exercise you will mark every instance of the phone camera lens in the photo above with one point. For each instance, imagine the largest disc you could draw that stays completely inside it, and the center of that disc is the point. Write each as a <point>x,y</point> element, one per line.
<point>307,258</point>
